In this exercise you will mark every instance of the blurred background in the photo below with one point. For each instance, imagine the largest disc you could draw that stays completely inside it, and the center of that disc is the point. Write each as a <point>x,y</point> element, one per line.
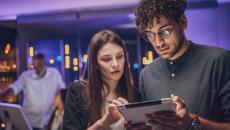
<point>61,29</point>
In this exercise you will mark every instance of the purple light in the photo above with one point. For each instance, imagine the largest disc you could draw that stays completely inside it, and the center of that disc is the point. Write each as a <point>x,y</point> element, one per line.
<point>80,65</point>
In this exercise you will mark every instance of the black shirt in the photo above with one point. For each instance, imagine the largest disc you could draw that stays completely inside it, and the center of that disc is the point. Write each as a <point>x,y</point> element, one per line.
<point>201,76</point>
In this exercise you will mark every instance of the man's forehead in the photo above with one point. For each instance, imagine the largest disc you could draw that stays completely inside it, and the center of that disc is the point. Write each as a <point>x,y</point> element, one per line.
<point>156,23</point>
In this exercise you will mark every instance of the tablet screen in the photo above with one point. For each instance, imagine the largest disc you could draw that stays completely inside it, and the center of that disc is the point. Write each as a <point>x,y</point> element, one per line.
<point>135,112</point>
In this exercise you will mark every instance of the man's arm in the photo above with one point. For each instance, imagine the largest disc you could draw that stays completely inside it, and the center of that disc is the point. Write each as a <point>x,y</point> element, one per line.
<point>58,102</point>
<point>211,125</point>
<point>182,119</point>
<point>15,88</point>
<point>5,93</point>
<point>223,81</point>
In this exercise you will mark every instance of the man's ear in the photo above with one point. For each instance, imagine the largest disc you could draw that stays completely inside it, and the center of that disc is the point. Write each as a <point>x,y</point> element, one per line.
<point>183,22</point>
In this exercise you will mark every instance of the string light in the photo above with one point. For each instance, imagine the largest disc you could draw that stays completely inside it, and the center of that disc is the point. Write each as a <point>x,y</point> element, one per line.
<point>67,62</point>
<point>51,61</point>
<point>7,48</point>
<point>148,59</point>
<point>31,51</point>
<point>144,60</point>
<point>14,66</point>
<point>75,64</point>
<point>67,49</point>
<point>150,56</point>
<point>67,57</point>
<point>75,68</point>
<point>75,61</point>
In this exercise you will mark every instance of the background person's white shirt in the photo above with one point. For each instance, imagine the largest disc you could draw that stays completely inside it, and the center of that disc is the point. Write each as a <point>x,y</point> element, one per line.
<point>39,94</point>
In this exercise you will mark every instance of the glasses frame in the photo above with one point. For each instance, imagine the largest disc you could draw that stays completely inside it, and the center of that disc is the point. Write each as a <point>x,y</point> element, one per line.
<point>148,34</point>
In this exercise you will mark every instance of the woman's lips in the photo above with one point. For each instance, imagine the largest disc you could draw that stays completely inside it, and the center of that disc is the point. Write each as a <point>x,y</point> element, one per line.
<point>117,71</point>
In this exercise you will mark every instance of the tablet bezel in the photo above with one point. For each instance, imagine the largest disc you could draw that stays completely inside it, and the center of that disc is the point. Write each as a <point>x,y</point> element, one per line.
<point>14,115</point>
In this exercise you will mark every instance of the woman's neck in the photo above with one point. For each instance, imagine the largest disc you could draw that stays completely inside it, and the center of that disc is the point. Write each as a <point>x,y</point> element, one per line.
<point>110,89</point>
<point>110,85</point>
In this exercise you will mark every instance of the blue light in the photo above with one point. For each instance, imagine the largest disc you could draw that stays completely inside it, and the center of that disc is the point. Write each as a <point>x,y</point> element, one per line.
<point>135,66</point>
<point>59,58</point>
<point>82,59</point>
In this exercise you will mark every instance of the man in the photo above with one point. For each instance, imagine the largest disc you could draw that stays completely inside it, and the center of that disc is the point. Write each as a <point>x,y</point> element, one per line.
<point>40,86</point>
<point>199,75</point>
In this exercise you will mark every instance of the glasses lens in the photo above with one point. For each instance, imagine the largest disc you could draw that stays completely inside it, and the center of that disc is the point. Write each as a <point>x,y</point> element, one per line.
<point>164,33</point>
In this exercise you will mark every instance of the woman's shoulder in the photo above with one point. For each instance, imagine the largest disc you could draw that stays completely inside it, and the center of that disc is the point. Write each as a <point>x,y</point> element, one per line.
<point>77,87</point>
<point>79,84</point>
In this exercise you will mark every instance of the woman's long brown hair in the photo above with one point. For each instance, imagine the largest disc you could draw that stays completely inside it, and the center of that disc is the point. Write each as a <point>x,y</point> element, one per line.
<point>95,83</point>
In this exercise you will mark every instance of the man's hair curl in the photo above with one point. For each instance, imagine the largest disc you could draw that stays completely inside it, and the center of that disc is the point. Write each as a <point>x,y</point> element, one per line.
<point>148,10</point>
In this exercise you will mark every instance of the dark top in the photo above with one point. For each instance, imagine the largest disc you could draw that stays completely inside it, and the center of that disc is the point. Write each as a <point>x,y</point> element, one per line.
<point>76,112</point>
<point>201,76</point>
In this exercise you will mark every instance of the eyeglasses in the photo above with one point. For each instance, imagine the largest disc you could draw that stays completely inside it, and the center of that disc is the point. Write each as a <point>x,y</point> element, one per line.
<point>163,33</point>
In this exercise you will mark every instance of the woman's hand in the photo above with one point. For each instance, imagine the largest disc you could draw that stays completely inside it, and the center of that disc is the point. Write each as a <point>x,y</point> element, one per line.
<point>129,125</point>
<point>112,115</point>
<point>120,101</point>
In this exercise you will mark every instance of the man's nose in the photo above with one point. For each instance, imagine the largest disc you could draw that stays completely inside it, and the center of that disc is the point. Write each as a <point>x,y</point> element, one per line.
<point>159,42</point>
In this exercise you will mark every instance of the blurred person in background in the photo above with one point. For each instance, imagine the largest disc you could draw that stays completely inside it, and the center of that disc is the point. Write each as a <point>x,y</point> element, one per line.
<point>40,87</point>
<point>108,81</point>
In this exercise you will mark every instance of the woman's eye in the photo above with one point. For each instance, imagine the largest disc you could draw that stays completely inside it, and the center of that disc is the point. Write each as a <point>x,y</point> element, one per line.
<point>120,56</point>
<point>106,60</point>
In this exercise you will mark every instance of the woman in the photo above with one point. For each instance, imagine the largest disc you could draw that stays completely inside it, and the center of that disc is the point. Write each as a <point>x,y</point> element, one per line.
<point>109,81</point>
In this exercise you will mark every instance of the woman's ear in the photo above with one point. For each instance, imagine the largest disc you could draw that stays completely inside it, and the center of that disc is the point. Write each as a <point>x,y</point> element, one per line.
<point>183,22</point>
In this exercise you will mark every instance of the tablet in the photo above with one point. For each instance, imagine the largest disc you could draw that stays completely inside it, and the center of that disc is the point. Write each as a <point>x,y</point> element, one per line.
<point>135,112</point>
<point>13,114</point>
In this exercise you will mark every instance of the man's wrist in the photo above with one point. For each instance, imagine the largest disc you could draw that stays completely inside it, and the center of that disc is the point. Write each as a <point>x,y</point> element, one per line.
<point>194,123</point>
<point>189,121</point>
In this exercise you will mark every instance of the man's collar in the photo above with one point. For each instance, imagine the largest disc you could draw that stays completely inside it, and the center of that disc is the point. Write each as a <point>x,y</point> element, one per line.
<point>183,56</point>
<point>35,75</point>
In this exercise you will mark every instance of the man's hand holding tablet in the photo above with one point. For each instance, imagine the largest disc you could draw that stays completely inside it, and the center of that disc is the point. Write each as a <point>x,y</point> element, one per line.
<point>175,118</point>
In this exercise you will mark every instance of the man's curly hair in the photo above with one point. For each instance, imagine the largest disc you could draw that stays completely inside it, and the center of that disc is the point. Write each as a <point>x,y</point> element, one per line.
<point>148,10</point>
